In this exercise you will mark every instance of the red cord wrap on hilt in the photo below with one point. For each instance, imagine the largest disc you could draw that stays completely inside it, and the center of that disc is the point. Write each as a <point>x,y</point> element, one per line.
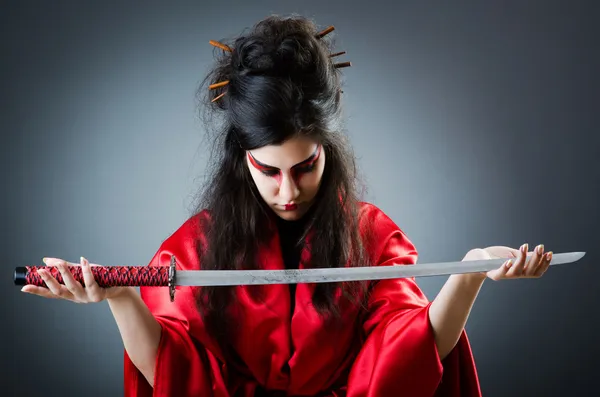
<point>106,276</point>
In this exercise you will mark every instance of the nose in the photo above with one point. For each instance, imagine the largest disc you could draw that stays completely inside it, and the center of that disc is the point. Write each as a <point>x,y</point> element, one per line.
<point>288,190</point>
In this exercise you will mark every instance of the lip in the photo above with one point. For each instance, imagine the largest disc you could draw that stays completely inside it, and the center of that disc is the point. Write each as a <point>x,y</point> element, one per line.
<point>290,207</point>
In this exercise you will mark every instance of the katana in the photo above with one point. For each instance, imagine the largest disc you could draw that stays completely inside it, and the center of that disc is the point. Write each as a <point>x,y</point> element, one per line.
<point>169,276</point>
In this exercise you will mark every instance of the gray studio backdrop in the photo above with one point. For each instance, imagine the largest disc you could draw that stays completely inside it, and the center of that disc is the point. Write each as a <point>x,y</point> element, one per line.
<point>475,124</point>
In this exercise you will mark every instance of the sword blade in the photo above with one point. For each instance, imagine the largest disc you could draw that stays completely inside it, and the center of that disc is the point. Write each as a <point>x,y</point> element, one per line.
<point>327,275</point>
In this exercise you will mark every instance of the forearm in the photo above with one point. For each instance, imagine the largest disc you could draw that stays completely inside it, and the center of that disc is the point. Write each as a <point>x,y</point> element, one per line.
<point>139,330</point>
<point>450,309</point>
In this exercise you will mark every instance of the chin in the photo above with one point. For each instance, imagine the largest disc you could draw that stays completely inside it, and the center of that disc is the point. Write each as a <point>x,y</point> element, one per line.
<point>290,215</point>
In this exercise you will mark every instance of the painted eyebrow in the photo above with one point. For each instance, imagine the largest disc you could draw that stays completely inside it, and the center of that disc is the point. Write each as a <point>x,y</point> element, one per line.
<point>307,160</point>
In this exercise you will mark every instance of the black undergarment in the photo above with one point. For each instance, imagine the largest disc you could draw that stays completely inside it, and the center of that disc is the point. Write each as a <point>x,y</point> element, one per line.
<point>290,233</point>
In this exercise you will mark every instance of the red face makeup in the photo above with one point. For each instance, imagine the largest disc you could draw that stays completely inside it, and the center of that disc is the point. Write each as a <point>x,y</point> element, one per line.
<point>297,171</point>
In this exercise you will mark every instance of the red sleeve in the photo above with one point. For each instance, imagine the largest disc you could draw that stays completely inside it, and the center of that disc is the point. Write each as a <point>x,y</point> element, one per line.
<point>184,366</point>
<point>399,355</point>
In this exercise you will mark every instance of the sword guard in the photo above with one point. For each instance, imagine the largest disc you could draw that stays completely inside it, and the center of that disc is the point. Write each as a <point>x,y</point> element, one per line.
<point>172,274</point>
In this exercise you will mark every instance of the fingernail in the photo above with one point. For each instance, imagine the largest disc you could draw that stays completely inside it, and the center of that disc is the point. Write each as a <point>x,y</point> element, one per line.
<point>540,249</point>
<point>509,263</point>
<point>524,248</point>
<point>549,256</point>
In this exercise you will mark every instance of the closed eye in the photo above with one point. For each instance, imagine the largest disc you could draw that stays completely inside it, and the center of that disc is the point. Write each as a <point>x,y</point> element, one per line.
<point>305,169</point>
<point>270,172</point>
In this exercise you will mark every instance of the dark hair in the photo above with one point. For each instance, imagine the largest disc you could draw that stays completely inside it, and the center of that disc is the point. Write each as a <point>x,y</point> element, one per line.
<point>282,82</point>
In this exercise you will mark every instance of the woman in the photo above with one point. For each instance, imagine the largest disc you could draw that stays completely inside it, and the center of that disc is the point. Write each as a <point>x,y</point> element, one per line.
<point>283,194</point>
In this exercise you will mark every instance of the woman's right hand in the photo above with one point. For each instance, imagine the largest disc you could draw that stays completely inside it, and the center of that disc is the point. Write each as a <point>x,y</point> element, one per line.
<point>72,290</point>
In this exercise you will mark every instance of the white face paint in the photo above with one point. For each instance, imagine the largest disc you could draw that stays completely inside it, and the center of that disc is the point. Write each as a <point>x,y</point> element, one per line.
<point>288,176</point>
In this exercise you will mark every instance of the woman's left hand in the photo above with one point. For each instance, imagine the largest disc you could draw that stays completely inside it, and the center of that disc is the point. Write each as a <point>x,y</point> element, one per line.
<point>518,264</point>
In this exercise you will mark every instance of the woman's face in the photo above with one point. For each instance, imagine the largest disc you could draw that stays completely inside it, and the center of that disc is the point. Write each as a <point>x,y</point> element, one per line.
<point>288,176</point>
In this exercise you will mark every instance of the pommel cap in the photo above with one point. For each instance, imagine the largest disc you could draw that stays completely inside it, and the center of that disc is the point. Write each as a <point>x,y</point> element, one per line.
<point>20,276</point>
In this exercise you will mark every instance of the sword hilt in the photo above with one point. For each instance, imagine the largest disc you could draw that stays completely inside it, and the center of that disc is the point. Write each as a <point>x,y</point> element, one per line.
<point>106,276</point>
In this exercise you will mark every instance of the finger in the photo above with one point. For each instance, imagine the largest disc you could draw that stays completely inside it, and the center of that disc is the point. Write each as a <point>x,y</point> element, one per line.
<point>543,261</point>
<point>72,285</point>
<point>93,290</point>
<point>50,261</point>
<point>88,277</point>
<point>545,265</point>
<point>519,262</point>
<point>499,274</point>
<point>535,261</point>
<point>55,261</point>
<point>53,285</point>
<point>39,291</point>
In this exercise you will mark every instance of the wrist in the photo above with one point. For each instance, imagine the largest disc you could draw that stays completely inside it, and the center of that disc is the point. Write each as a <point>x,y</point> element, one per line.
<point>120,294</point>
<point>475,279</point>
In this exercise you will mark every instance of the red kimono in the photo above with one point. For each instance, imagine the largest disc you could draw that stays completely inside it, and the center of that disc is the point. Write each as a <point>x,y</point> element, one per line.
<point>390,351</point>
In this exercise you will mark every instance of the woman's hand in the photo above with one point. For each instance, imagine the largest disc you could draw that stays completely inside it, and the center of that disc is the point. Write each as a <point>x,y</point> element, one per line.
<point>450,309</point>
<point>518,264</point>
<point>72,290</point>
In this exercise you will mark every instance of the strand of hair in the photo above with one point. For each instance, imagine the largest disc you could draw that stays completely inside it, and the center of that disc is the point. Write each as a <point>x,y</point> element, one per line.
<point>337,54</point>
<point>325,32</point>
<point>220,45</point>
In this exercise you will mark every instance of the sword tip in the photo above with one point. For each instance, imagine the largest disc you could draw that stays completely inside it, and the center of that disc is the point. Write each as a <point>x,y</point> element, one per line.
<point>568,257</point>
